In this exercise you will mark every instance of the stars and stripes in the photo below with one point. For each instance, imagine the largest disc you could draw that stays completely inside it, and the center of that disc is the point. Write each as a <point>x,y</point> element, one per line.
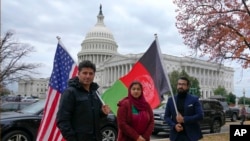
<point>64,68</point>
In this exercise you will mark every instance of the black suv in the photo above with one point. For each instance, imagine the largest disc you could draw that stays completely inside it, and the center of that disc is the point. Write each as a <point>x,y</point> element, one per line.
<point>232,113</point>
<point>214,117</point>
<point>23,125</point>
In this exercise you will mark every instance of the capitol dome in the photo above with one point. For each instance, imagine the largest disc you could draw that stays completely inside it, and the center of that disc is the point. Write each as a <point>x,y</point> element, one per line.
<point>99,43</point>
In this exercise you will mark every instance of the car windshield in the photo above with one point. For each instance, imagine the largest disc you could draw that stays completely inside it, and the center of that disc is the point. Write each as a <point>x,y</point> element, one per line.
<point>224,104</point>
<point>34,108</point>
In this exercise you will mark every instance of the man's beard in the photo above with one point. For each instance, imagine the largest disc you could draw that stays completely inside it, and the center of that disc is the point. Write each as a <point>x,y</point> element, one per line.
<point>182,92</point>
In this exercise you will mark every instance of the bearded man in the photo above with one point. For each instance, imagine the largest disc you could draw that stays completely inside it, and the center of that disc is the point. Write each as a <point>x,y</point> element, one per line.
<point>184,123</point>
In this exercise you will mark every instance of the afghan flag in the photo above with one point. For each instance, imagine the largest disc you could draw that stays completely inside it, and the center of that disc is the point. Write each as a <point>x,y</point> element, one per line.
<point>150,72</point>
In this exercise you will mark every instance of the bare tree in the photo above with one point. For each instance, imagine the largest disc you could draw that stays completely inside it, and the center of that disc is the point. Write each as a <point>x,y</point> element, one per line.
<point>12,65</point>
<point>219,29</point>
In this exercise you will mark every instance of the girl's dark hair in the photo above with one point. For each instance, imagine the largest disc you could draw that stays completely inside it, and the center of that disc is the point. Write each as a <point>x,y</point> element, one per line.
<point>135,82</point>
<point>86,64</point>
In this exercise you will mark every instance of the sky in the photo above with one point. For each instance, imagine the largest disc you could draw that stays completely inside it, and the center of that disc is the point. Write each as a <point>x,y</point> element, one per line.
<point>133,24</point>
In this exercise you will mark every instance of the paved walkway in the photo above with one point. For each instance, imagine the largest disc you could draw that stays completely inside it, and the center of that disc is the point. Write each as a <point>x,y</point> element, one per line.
<point>213,135</point>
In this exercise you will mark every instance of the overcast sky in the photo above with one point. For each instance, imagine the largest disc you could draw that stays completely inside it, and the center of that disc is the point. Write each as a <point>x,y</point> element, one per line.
<point>133,24</point>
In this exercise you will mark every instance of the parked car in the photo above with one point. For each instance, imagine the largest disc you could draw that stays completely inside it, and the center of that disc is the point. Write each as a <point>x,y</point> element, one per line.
<point>13,106</point>
<point>23,125</point>
<point>29,99</point>
<point>214,117</point>
<point>232,113</point>
<point>12,98</point>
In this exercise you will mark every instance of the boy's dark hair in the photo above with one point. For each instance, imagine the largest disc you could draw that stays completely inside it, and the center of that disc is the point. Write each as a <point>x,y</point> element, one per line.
<point>186,79</point>
<point>86,64</point>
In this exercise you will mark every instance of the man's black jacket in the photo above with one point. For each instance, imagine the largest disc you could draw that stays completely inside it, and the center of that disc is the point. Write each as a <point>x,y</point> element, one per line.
<point>79,112</point>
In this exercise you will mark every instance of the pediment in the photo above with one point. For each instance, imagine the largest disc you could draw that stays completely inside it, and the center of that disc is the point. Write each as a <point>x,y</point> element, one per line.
<point>117,57</point>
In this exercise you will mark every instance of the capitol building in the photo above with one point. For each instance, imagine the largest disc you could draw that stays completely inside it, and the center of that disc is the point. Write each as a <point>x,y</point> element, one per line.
<point>100,47</point>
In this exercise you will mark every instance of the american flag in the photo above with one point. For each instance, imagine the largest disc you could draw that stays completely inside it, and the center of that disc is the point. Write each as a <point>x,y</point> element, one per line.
<point>64,68</point>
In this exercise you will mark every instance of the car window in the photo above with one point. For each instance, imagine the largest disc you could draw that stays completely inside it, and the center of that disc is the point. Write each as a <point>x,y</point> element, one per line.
<point>206,106</point>
<point>15,106</point>
<point>224,104</point>
<point>24,105</point>
<point>7,106</point>
<point>34,108</point>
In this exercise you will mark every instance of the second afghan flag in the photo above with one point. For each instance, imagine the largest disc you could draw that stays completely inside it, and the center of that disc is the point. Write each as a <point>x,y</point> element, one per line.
<point>150,72</point>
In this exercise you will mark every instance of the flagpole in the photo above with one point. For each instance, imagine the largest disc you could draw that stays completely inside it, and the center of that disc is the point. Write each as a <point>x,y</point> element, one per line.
<point>58,38</point>
<point>98,95</point>
<point>59,41</point>
<point>165,72</point>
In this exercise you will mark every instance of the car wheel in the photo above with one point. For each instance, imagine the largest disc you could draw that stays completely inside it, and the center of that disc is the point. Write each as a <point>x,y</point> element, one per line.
<point>109,134</point>
<point>215,127</point>
<point>16,136</point>
<point>234,117</point>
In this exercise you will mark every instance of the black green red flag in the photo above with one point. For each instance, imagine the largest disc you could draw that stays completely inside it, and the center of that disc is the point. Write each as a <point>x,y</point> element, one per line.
<point>150,72</point>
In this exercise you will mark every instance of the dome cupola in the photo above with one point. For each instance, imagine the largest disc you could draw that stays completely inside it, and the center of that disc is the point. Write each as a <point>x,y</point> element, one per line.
<point>99,41</point>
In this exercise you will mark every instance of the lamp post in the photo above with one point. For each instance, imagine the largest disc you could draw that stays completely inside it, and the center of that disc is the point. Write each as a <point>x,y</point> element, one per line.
<point>244,96</point>
<point>236,101</point>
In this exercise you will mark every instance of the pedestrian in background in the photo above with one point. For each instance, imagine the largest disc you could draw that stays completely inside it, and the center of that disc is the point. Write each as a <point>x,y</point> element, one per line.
<point>184,125</point>
<point>135,116</point>
<point>243,114</point>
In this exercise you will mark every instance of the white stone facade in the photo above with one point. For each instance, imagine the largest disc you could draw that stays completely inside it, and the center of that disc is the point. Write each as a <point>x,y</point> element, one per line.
<point>33,87</point>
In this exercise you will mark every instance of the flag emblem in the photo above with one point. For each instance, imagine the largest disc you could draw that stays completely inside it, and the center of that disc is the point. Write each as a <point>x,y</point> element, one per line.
<point>150,72</point>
